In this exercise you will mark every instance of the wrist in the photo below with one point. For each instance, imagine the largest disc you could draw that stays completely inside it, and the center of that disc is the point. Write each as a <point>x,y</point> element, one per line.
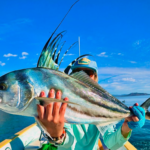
<point>59,140</point>
<point>125,130</point>
<point>55,133</point>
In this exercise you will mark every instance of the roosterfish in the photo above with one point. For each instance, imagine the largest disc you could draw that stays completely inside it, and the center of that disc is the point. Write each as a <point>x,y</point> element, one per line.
<point>88,102</point>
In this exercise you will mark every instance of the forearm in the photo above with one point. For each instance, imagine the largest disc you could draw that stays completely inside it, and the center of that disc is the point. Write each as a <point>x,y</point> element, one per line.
<point>114,139</point>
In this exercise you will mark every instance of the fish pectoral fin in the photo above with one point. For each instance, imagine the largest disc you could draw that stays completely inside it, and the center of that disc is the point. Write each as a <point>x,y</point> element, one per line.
<point>46,100</point>
<point>103,127</point>
<point>107,123</point>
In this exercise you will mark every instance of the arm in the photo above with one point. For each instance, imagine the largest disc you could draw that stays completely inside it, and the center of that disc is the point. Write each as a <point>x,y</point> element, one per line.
<point>115,140</point>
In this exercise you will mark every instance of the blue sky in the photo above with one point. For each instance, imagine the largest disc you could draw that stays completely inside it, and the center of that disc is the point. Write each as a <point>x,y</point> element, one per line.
<point>117,33</point>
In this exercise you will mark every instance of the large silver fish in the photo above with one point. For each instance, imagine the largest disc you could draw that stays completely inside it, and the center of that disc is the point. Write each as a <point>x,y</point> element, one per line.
<point>88,102</point>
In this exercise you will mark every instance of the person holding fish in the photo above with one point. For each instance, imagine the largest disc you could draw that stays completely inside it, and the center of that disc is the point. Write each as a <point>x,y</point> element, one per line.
<point>84,136</point>
<point>87,110</point>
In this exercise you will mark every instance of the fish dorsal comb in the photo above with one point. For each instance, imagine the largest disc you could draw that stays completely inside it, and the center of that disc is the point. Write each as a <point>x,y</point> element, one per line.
<point>48,53</point>
<point>67,52</point>
<point>47,56</point>
<point>83,77</point>
<point>56,59</point>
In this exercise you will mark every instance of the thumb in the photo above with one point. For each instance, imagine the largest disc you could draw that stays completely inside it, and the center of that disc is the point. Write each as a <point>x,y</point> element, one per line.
<point>128,119</point>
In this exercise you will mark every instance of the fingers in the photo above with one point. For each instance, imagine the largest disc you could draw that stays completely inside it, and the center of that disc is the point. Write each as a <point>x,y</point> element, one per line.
<point>138,120</point>
<point>128,119</point>
<point>49,107</point>
<point>141,110</point>
<point>40,110</point>
<point>56,106</point>
<point>137,112</point>
<point>131,118</point>
<point>63,108</point>
<point>51,93</point>
<point>135,118</point>
<point>53,111</point>
<point>42,94</point>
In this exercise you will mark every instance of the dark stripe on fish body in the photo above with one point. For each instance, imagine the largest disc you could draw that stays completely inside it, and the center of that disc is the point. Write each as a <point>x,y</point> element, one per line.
<point>86,97</point>
<point>101,104</point>
<point>64,78</point>
<point>89,114</point>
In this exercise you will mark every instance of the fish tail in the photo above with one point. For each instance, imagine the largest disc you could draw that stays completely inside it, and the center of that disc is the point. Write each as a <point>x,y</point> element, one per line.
<point>146,105</point>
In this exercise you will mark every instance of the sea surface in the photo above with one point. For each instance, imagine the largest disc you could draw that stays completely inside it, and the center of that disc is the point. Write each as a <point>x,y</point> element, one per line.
<point>10,124</point>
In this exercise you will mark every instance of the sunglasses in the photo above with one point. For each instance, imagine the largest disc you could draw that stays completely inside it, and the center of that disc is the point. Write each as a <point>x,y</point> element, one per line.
<point>88,72</point>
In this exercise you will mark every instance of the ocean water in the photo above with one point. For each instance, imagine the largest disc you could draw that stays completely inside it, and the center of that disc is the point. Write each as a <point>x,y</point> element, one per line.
<point>10,124</point>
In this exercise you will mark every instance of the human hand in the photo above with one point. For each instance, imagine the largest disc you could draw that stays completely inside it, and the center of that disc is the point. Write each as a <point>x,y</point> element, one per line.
<point>134,122</point>
<point>139,113</point>
<point>52,115</point>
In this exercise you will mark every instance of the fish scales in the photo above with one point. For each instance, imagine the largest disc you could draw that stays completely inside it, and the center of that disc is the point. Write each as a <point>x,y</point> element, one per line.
<point>39,79</point>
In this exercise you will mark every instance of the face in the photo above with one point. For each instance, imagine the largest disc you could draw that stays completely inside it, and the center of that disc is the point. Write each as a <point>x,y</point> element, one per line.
<point>89,72</point>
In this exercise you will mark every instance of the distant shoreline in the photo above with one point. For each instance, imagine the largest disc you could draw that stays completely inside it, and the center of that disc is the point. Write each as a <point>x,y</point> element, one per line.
<point>132,94</point>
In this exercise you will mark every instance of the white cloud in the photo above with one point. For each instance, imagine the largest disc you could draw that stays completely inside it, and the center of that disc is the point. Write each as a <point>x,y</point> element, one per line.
<point>117,87</point>
<point>23,57</point>
<point>104,85</point>
<point>128,79</point>
<point>21,21</point>
<point>25,53</point>
<point>133,62</point>
<point>121,71</point>
<point>120,54</point>
<point>137,43</point>
<point>102,54</point>
<point>124,80</point>
<point>2,64</point>
<point>69,54</point>
<point>10,55</point>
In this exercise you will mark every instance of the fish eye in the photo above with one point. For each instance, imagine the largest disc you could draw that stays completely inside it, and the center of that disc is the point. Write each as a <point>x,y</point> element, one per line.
<point>3,86</point>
